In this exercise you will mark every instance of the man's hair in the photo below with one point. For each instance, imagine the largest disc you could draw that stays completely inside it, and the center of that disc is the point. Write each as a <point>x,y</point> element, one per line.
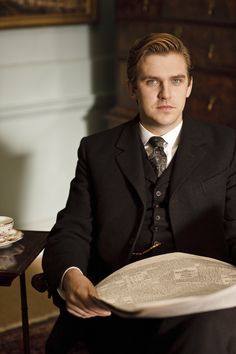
<point>155,43</point>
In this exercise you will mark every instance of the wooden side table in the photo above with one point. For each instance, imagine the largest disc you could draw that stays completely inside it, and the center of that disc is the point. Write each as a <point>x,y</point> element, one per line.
<point>14,261</point>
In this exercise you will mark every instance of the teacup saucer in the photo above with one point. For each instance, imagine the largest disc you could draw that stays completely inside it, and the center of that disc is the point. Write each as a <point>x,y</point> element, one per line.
<point>13,236</point>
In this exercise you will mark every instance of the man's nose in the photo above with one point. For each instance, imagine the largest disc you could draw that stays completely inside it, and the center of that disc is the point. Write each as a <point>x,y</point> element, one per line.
<point>164,93</point>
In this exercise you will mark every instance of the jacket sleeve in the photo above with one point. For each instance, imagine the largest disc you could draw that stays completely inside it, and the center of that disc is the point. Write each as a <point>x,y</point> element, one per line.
<point>68,243</point>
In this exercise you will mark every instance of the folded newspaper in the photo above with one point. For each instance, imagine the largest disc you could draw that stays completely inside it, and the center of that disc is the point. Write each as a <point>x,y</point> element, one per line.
<point>169,285</point>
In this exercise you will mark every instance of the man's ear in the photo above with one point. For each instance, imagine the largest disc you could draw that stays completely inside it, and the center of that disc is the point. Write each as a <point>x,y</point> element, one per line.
<point>190,86</point>
<point>131,89</point>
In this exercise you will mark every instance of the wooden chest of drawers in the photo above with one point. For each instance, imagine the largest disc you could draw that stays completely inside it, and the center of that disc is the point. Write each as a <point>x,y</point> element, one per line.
<point>208,28</point>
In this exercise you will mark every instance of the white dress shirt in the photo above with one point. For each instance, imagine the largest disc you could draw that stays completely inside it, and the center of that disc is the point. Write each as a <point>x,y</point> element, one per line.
<point>172,139</point>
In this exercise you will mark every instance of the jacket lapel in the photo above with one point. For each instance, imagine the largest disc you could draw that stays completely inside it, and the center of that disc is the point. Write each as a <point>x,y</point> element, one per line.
<point>191,151</point>
<point>129,157</point>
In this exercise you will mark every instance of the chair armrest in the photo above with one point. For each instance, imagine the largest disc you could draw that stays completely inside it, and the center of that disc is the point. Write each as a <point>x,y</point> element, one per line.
<point>39,282</point>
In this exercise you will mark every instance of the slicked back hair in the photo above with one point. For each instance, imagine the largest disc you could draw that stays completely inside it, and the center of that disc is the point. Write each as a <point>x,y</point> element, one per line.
<point>155,43</point>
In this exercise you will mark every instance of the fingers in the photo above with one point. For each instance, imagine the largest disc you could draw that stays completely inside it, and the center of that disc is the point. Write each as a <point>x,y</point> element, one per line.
<point>78,291</point>
<point>78,312</point>
<point>84,312</point>
<point>84,308</point>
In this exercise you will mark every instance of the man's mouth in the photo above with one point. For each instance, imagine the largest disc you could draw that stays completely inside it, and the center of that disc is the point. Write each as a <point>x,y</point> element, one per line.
<point>165,107</point>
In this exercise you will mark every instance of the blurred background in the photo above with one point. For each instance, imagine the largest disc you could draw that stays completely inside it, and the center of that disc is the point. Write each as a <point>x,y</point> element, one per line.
<point>56,82</point>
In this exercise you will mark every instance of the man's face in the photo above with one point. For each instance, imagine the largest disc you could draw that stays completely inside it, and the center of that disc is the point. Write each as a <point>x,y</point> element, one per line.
<point>161,90</point>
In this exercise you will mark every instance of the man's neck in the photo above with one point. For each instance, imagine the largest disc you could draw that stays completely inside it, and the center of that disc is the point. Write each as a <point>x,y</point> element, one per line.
<point>159,130</point>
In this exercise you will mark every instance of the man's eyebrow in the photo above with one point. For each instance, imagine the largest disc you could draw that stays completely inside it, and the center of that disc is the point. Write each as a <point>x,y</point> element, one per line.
<point>153,77</point>
<point>179,76</point>
<point>149,77</point>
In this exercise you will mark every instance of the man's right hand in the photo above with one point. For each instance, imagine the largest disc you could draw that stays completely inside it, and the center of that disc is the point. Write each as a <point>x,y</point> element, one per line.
<point>78,291</point>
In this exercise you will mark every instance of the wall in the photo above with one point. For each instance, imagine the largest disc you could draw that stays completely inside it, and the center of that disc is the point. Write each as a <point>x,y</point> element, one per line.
<point>56,84</point>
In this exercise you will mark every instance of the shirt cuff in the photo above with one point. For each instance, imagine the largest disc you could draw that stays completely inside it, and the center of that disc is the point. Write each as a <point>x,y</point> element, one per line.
<point>60,291</point>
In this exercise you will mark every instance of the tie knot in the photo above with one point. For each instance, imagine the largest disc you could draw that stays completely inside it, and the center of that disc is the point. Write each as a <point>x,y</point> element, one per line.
<point>157,141</point>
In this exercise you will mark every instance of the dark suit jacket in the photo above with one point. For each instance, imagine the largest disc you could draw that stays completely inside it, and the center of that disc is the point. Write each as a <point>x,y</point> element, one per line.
<point>105,210</point>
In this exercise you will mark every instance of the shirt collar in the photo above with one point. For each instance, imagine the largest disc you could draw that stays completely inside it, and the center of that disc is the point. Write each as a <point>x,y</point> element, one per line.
<point>171,137</point>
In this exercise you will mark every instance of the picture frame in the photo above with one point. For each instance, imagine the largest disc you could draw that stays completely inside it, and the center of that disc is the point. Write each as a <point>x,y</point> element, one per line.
<point>32,13</point>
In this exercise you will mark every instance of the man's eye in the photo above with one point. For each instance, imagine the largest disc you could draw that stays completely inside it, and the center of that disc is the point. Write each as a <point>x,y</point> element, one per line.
<point>152,82</point>
<point>176,81</point>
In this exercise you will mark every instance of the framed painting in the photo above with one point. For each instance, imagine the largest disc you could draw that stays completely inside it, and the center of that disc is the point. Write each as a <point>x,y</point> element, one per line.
<point>28,13</point>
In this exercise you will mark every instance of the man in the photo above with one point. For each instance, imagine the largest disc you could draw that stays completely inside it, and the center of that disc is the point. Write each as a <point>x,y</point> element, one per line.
<point>134,197</point>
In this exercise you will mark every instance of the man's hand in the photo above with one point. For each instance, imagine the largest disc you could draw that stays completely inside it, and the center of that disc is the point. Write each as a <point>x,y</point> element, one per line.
<point>78,290</point>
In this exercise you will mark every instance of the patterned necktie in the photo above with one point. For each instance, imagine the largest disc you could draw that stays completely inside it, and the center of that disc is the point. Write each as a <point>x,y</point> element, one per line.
<point>156,154</point>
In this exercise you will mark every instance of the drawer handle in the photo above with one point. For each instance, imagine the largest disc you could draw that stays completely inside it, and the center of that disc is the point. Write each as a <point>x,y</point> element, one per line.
<point>211,7</point>
<point>211,103</point>
<point>145,6</point>
<point>211,51</point>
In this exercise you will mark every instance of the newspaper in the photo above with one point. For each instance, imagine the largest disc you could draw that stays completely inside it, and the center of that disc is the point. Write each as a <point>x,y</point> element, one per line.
<point>169,285</point>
